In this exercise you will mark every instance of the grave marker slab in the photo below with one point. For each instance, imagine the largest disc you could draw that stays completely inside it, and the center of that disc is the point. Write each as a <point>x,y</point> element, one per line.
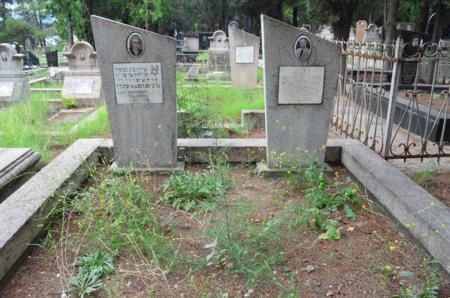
<point>82,81</point>
<point>244,53</point>
<point>13,81</point>
<point>219,57</point>
<point>138,70</point>
<point>300,73</point>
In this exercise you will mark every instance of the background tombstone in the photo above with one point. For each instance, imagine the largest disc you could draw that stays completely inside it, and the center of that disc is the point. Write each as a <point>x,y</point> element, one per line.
<point>300,73</point>
<point>244,57</point>
<point>83,81</point>
<point>372,33</point>
<point>361,27</point>
<point>219,56</point>
<point>13,81</point>
<point>138,70</point>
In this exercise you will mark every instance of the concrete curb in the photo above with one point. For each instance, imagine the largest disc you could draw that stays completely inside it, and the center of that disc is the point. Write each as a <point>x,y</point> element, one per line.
<point>20,212</point>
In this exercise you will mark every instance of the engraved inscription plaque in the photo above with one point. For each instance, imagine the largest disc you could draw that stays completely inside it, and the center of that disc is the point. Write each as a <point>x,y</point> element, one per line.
<point>138,83</point>
<point>244,55</point>
<point>6,89</point>
<point>82,86</point>
<point>301,85</point>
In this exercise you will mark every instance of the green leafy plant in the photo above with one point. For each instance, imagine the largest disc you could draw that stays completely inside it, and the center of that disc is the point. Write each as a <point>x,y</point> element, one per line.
<point>85,283</point>
<point>98,261</point>
<point>70,103</point>
<point>190,191</point>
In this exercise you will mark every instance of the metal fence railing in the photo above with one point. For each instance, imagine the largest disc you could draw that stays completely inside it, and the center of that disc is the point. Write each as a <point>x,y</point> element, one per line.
<point>394,98</point>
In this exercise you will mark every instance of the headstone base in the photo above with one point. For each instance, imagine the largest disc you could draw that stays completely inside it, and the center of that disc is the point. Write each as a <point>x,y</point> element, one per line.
<point>263,169</point>
<point>120,170</point>
<point>85,89</point>
<point>13,90</point>
<point>218,76</point>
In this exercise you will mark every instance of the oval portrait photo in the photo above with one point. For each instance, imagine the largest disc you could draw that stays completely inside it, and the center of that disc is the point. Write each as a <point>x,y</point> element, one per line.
<point>135,45</point>
<point>302,48</point>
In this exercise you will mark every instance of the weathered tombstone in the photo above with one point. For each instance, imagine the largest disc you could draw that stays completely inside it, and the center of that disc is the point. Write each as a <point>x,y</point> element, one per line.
<point>361,27</point>
<point>234,24</point>
<point>244,57</point>
<point>13,81</point>
<point>83,81</point>
<point>203,41</point>
<point>219,56</point>
<point>52,58</point>
<point>139,82</point>
<point>300,73</point>
<point>372,33</point>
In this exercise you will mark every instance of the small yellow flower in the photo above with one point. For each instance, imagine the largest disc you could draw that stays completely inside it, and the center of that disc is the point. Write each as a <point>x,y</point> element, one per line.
<point>396,241</point>
<point>354,190</point>
<point>392,248</point>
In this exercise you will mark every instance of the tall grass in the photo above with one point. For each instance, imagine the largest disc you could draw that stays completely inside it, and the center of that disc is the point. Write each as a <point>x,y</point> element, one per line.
<point>26,125</point>
<point>227,101</point>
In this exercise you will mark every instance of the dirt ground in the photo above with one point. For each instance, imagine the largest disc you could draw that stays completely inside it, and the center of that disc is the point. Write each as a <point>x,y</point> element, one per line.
<point>354,266</point>
<point>438,185</point>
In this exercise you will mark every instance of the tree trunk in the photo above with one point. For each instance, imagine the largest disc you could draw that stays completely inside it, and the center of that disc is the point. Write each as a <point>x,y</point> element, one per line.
<point>341,29</point>
<point>439,24</point>
<point>295,16</point>
<point>70,27</point>
<point>423,16</point>
<point>391,20</point>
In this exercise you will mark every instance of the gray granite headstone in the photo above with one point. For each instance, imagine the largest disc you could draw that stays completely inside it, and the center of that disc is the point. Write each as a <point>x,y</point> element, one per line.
<point>219,56</point>
<point>82,81</point>
<point>138,70</point>
<point>300,72</point>
<point>13,81</point>
<point>244,57</point>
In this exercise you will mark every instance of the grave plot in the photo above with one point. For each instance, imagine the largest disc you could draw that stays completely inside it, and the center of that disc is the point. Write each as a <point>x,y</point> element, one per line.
<point>436,182</point>
<point>221,230</point>
<point>135,216</point>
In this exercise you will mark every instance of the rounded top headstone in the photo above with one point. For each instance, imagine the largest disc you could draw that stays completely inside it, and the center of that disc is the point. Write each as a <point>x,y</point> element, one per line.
<point>9,58</point>
<point>82,55</point>
<point>234,24</point>
<point>219,40</point>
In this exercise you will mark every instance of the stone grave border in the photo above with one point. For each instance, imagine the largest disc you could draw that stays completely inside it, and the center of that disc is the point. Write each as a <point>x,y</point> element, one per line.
<point>407,202</point>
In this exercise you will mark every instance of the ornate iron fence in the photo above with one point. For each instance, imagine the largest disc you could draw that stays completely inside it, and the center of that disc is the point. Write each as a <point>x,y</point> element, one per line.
<point>394,98</point>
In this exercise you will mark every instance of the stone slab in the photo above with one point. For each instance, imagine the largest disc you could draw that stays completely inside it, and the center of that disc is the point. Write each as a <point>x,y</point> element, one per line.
<point>86,89</point>
<point>138,83</point>
<point>298,131</point>
<point>13,89</point>
<point>144,133</point>
<point>160,171</point>
<point>21,213</point>
<point>253,118</point>
<point>301,85</point>
<point>14,162</point>
<point>244,54</point>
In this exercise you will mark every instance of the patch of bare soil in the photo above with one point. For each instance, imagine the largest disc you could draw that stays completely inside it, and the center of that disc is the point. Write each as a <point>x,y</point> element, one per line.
<point>365,262</point>
<point>438,185</point>
<point>424,99</point>
<point>257,133</point>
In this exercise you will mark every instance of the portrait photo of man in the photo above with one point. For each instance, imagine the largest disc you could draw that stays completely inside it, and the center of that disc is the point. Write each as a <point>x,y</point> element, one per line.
<point>135,45</point>
<point>302,48</point>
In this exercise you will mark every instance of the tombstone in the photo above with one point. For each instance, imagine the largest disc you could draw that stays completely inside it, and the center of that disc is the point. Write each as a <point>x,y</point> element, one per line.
<point>83,81</point>
<point>138,70</point>
<point>203,40</point>
<point>372,33</point>
<point>219,56</point>
<point>13,81</point>
<point>52,58</point>
<point>360,33</point>
<point>325,33</point>
<point>300,73</point>
<point>191,42</point>
<point>234,24</point>
<point>244,57</point>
